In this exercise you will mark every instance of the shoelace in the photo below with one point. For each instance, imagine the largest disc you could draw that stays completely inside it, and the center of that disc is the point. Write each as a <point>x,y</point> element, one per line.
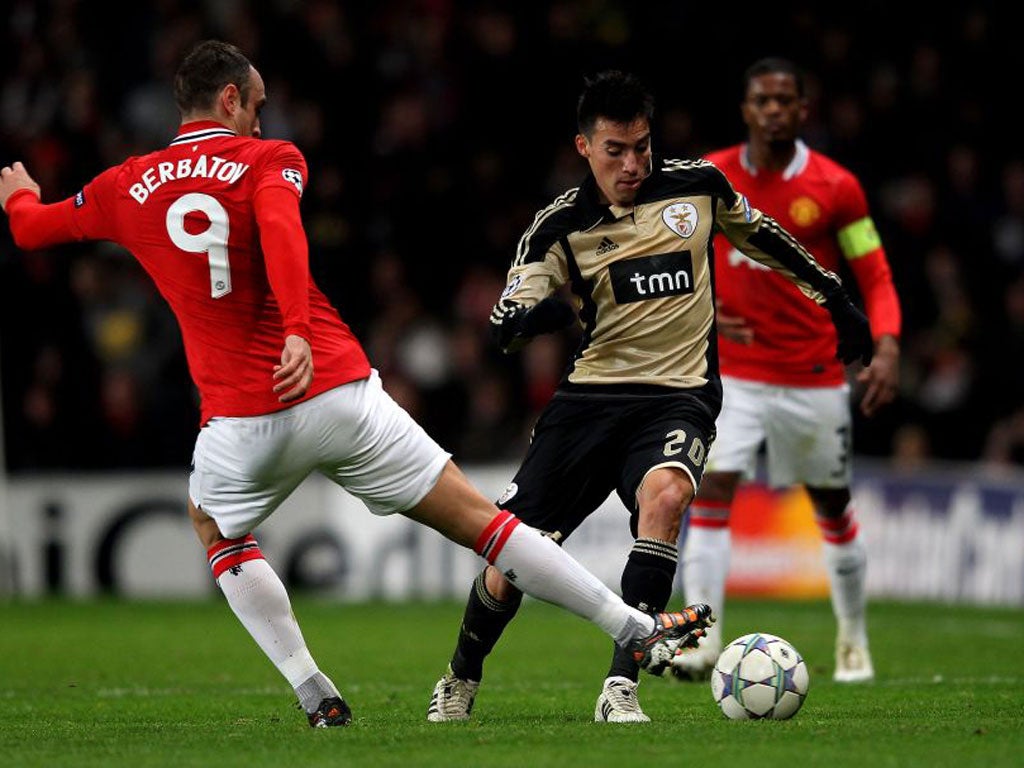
<point>623,697</point>
<point>456,696</point>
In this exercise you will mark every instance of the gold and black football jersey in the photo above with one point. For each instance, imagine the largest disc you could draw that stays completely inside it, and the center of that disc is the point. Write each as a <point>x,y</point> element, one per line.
<point>643,276</point>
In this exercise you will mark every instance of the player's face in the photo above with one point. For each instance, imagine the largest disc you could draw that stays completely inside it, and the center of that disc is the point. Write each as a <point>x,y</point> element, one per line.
<point>619,155</point>
<point>247,117</point>
<point>773,109</point>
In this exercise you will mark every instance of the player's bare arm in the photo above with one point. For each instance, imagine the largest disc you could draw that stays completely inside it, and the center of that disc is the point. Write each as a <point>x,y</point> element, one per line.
<point>881,378</point>
<point>14,178</point>
<point>295,373</point>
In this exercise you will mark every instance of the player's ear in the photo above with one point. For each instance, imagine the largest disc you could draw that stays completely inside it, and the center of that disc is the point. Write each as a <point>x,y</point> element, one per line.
<point>582,145</point>
<point>230,99</point>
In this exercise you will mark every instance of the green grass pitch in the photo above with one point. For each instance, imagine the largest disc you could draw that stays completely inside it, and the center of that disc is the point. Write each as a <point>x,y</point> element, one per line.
<point>110,683</point>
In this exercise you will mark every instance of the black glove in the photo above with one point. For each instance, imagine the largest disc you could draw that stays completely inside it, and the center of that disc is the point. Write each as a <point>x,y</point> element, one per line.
<point>852,327</point>
<point>518,327</point>
<point>546,316</point>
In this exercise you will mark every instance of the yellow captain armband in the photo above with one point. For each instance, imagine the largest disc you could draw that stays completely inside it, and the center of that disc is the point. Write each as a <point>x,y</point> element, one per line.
<point>859,238</point>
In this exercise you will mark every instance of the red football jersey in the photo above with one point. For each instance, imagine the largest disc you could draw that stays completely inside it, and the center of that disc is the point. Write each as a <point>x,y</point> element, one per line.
<point>823,205</point>
<point>186,213</point>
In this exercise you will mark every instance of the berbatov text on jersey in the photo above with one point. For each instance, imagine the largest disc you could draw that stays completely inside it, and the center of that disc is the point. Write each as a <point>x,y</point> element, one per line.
<point>215,167</point>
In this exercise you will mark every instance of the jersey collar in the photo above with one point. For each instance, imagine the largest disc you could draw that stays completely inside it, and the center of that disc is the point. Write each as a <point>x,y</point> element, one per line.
<point>200,130</point>
<point>593,212</point>
<point>795,167</point>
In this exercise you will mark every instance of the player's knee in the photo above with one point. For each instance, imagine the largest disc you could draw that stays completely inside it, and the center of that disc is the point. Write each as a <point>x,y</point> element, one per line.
<point>673,499</point>
<point>205,526</point>
<point>662,505</point>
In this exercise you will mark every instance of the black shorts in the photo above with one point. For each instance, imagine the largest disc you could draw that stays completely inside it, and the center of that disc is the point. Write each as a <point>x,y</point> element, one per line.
<point>586,446</point>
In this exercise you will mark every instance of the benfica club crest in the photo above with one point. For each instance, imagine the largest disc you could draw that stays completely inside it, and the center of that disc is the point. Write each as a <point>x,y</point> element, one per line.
<point>681,218</point>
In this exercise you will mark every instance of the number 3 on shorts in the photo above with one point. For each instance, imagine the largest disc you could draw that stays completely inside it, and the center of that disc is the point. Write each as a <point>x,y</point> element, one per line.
<point>676,439</point>
<point>213,241</point>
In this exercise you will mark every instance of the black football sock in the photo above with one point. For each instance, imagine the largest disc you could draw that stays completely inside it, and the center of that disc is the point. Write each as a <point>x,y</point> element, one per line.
<point>482,624</point>
<point>646,585</point>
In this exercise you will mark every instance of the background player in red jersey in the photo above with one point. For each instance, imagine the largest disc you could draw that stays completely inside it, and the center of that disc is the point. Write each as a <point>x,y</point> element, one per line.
<point>214,219</point>
<point>783,385</point>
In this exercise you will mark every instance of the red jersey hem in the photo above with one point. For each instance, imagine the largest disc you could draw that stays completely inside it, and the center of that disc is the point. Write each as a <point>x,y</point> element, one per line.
<point>833,376</point>
<point>215,411</point>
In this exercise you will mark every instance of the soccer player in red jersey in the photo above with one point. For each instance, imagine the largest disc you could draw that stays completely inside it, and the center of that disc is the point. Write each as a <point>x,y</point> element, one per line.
<point>783,386</point>
<point>214,219</point>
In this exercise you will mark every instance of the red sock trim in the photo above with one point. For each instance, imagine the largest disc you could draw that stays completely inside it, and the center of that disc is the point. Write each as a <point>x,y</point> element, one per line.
<point>710,514</point>
<point>490,543</point>
<point>711,504</point>
<point>842,538</point>
<point>839,530</point>
<point>228,553</point>
<point>709,522</point>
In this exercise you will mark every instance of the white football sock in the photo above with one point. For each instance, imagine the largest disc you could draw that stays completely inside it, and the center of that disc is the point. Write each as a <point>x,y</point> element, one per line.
<point>705,568</point>
<point>847,571</point>
<point>260,601</point>
<point>846,561</point>
<point>542,569</point>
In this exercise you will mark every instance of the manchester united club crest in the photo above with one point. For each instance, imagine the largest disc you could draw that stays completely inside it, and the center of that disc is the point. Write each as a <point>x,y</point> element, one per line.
<point>804,211</point>
<point>681,218</point>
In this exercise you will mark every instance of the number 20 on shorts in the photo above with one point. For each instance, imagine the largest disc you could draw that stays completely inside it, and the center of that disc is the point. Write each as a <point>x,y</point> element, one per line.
<point>676,440</point>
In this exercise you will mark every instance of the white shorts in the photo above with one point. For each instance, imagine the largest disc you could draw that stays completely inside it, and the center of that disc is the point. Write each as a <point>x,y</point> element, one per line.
<point>805,432</point>
<point>355,435</point>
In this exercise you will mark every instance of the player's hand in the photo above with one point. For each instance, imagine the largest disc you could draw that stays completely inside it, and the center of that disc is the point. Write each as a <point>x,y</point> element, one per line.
<point>295,373</point>
<point>852,327</point>
<point>14,178</point>
<point>882,377</point>
<point>733,327</point>
<point>548,315</point>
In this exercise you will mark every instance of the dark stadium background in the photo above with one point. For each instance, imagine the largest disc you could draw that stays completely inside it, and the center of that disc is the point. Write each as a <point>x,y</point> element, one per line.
<point>434,130</point>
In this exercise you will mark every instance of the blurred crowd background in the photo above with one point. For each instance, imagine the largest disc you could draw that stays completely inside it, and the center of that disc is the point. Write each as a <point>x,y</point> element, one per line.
<point>434,130</point>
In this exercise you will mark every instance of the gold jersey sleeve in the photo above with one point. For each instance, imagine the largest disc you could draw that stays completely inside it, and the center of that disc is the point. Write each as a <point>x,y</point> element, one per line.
<point>751,231</point>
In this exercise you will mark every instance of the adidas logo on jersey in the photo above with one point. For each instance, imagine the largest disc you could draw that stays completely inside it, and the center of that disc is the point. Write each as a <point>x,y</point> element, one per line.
<point>606,245</point>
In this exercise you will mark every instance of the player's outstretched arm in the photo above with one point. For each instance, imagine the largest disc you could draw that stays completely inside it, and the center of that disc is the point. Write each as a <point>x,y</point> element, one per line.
<point>14,178</point>
<point>33,225</point>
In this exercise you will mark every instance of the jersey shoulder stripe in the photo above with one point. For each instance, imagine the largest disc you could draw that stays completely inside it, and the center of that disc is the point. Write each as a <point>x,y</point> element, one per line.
<point>688,177</point>
<point>549,225</point>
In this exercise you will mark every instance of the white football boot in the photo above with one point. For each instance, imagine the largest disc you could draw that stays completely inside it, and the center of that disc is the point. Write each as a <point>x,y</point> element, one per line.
<point>853,663</point>
<point>618,703</point>
<point>452,698</point>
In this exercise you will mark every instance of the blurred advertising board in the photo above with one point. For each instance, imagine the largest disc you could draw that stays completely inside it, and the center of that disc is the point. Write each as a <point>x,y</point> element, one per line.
<point>938,534</point>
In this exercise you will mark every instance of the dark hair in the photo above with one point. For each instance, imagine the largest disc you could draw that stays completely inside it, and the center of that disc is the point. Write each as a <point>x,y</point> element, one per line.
<point>205,71</point>
<point>772,65</point>
<point>616,96</point>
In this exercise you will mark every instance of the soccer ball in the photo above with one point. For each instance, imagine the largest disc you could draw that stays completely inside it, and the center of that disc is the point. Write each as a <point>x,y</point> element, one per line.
<point>759,676</point>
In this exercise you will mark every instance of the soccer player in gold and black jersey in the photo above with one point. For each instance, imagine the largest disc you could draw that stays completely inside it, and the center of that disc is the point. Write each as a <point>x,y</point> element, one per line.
<point>635,411</point>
